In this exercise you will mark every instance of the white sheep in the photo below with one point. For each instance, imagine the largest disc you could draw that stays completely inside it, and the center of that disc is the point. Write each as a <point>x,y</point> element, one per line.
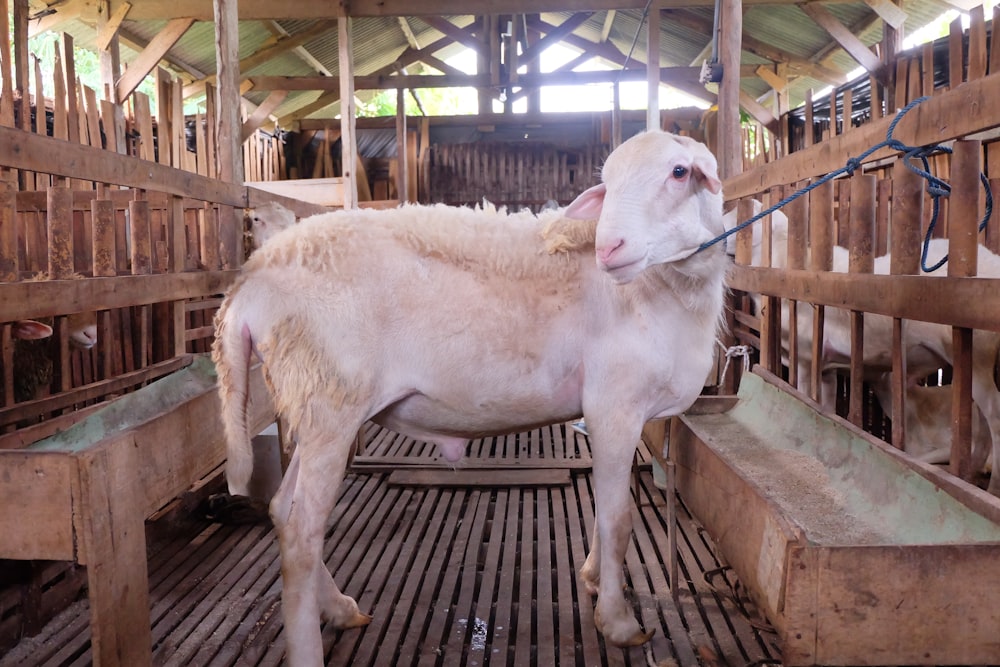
<point>928,345</point>
<point>447,324</point>
<point>35,352</point>
<point>267,220</point>
<point>927,416</point>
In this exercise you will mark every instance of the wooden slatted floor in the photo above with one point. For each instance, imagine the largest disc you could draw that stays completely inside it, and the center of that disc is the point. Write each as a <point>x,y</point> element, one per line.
<point>456,574</point>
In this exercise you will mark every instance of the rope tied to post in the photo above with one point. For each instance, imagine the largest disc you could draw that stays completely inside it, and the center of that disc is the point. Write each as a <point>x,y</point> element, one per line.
<point>936,187</point>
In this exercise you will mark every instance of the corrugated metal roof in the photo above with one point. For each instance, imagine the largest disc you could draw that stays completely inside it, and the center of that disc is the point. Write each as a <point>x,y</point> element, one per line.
<point>379,42</point>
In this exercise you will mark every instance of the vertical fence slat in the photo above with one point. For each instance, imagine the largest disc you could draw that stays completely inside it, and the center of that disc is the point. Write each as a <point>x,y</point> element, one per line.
<point>963,249</point>
<point>821,232</point>
<point>8,232</point>
<point>59,221</point>
<point>905,222</point>
<point>862,231</point>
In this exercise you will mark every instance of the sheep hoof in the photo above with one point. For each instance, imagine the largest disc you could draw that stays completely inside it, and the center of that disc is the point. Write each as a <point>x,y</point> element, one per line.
<point>638,638</point>
<point>358,620</point>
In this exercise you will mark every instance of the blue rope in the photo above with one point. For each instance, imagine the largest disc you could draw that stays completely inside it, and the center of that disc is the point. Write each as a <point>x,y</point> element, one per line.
<point>936,187</point>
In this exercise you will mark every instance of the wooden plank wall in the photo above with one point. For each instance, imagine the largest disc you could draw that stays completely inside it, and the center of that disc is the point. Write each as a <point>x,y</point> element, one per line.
<point>858,212</point>
<point>146,237</point>
<point>514,175</point>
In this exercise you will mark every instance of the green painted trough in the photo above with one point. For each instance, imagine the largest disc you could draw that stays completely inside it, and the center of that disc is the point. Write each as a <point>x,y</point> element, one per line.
<point>858,554</point>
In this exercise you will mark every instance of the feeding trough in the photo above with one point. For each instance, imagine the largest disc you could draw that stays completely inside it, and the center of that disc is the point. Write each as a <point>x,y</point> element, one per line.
<point>858,554</point>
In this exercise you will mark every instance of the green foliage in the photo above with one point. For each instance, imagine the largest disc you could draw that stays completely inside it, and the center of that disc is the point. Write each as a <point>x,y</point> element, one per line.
<point>87,65</point>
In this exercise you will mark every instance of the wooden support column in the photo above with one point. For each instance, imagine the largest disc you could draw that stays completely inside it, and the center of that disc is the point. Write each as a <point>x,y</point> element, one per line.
<point>730,151</point>
<point>402,170</point>
<point>228,129</point>
<point>653,68</point>
<point>348,124</point>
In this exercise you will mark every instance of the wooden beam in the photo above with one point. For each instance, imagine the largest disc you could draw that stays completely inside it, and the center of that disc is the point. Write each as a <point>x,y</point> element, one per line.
<point>889,12</point>
<point>107,30</point>
<point>150,57</point>
<point>667,76</point>
<point>272,49</point>
<point>411,39</point>
<point>227,123</point>
<point>258,10</point>
<point>842,35</point>
<point>730,140</point>
<point>609,21</point>
<point>555,36</point>
<point>465,36</point>
<point>300,51</point>
<point>759,112</point>
<point>778,83</point>
<point>348,134</point>
<point>57,15</point>
<point>653,67</point>
<point>261,114</point>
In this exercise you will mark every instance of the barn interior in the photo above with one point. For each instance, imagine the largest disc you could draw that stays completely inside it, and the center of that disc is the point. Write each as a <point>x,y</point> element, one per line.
<point>775,522</point>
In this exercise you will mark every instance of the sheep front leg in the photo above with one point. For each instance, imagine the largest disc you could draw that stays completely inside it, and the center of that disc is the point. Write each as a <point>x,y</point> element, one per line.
<point>299,511</point>
<point>613,512</point>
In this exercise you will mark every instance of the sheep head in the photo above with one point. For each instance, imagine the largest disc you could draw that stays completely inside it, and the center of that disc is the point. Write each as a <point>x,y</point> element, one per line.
<point>660,199</point>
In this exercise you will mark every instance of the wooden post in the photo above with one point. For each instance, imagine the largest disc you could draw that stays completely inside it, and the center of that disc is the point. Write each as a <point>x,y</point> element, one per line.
<point>861,237</point>
<point>962,262</point>
<point>821,224</point>
<point>348,124</point>
<point>113,547</point>
<point>730,38</point>
<point>904,238</point>
<point>402,172</point>
<point>228,128</point>
<point>653,68</point>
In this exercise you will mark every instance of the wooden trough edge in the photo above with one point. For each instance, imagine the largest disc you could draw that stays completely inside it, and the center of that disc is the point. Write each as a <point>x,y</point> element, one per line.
<point>85,495</point>
<point>842,603</point>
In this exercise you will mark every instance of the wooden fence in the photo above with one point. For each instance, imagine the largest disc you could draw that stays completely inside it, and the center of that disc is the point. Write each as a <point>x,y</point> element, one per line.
<point>512,174</point>
<point>885,207</point>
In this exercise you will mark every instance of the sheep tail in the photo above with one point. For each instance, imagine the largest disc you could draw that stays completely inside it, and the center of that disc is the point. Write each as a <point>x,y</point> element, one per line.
<point>231,353</point>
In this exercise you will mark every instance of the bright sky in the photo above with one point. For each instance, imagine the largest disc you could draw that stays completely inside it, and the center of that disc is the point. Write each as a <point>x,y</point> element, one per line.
<point>600,97</point>
<point>590,97</point>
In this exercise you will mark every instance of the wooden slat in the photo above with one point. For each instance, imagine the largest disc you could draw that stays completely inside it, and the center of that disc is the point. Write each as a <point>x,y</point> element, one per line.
<point>478,478</point>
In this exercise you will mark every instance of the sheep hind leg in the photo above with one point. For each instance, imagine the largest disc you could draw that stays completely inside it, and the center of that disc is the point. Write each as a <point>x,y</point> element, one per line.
<point>299,511</point>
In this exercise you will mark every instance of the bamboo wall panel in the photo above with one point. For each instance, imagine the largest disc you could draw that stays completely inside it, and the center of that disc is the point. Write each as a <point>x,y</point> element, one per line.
<point>514,175</point>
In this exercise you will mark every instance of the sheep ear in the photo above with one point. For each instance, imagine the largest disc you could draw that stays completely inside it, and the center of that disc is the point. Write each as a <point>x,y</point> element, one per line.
<point>588,205</point>
<point>31,330</point>
<point>707,169</point>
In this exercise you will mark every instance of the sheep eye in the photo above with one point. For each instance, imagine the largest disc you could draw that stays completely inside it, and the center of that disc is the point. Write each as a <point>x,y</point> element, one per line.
<point>679,172</point>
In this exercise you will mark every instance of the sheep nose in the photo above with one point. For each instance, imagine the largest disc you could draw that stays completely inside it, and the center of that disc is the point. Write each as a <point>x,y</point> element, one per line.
<point>605,251</point>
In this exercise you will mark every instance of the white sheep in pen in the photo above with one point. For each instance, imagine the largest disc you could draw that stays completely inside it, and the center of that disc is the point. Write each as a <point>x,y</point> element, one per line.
<point>928,345</point>
<point>448,324</point>
<point>267,220</point>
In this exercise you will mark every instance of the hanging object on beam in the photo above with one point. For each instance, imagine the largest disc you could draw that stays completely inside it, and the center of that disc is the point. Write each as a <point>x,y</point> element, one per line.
<point>711,69</point>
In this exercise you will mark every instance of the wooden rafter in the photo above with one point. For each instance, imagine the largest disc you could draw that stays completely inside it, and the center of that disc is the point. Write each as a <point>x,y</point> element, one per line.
<point>555,36</point>
<point>256,10</point>
<point>411,39</point>
<point>272,48</point>
<point>150,57</point>
<point>609,21</point>
<point>57,14</point>
<point>465,36</point>
<point>300,51</point>
<point>262,113</point>
<point>842,35</point>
